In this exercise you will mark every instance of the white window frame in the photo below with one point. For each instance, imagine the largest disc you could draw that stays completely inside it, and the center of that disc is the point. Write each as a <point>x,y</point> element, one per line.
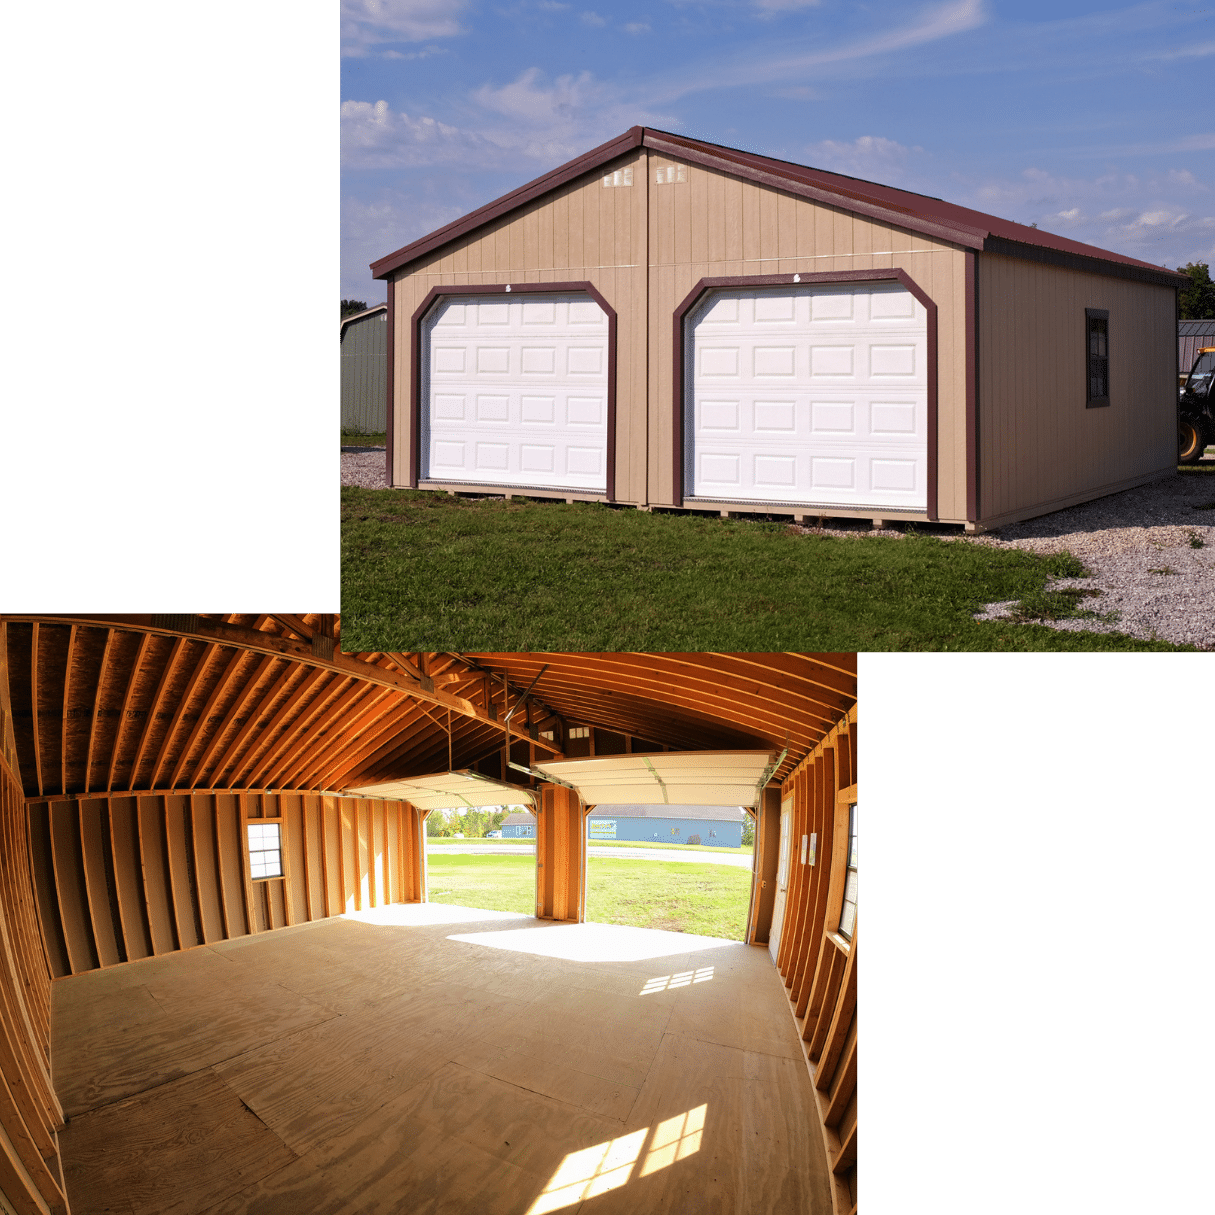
<point>250,851</point>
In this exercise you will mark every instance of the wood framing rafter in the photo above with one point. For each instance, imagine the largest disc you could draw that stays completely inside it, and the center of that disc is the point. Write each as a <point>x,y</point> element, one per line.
<point>204,629</point>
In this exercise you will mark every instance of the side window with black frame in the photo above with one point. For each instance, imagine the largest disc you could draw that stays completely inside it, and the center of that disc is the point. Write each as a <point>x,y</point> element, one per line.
<point>1097,339</point>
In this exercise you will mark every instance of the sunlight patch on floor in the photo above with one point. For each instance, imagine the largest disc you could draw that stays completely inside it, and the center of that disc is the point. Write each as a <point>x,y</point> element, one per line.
<point>610,1165</point>
<point>683,978</point>
<point>597,942</point>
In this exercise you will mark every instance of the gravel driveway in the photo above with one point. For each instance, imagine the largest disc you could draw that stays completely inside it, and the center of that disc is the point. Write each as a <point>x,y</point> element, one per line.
<point>1150,552</point>
<point>364,466</point>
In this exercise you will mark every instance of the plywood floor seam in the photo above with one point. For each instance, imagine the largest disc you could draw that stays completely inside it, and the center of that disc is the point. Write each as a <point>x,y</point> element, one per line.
<point>431,1059</point>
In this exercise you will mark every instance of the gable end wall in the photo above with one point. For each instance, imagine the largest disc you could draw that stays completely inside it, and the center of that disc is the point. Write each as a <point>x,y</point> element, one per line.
<point>643,248</point>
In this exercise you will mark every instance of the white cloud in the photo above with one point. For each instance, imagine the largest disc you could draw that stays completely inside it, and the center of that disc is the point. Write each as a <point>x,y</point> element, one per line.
<point>376,137</point>
<point>942,21</point>
<point>637,27</point>
<point>593,19</point>
<point>1163,218</point>
<point>553,121</point>
<point>366,23</point>
<point>873,158</point>
<point>530,119</point>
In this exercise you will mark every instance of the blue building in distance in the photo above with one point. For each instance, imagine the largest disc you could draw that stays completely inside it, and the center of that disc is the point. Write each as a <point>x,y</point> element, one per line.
<point>714,826</point>
<point>519,825</point>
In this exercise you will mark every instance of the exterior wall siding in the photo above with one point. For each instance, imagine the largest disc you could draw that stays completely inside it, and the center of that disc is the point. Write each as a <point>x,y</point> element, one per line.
<point>1040,448</point>
<point>709,225</point>
<point>715,225</point>
<point>712,832</point>
<point>583,232</point>
<point>364,375</point>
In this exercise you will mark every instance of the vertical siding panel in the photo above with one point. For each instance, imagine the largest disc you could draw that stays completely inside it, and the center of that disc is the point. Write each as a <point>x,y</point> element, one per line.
<point>392,852</point>
<point>48,907</point>
<point>181,884</point>
<point>124,847</point>
<point>315,856</point>
<point>70,886</point>
<point>296,906</point>
<point>156,891</point>
<point>228,831</point>
<point>96,879</point>
<point>277,903</point>
<point>331,856</point>
<point>362,824</point>
<point>206,867</point>
<point>347,845</point>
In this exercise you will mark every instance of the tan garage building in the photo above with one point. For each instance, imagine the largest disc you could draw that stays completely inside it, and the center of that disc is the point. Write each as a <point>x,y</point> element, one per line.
<point>224,986</point>
<point>669,323</point>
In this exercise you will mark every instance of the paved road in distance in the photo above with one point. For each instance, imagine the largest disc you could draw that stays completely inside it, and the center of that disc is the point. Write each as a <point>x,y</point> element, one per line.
<point>739,859</point>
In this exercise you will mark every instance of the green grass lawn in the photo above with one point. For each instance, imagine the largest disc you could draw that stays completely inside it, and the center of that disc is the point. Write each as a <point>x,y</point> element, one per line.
<point>707,899</point>
<point>357,438</point>
<point>425,571</point>
<point>496,883</point>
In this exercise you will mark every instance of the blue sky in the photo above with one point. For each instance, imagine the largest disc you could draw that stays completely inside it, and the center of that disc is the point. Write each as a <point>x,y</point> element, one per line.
<point>1090,120</point>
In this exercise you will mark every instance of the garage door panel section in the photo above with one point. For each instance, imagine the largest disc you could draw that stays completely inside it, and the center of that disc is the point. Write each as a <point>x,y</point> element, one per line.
<point>515,392</point>
<point>810,395</point>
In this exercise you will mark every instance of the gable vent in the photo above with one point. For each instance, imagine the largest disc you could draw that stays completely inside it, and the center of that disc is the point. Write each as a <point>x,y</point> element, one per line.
<point>666,175</point>
<point>618,177</point>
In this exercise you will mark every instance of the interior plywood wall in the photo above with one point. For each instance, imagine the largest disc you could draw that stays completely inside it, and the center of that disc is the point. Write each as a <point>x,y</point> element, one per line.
<point>144,874</point>
<point>30,1114</point>
<point>817,963</point>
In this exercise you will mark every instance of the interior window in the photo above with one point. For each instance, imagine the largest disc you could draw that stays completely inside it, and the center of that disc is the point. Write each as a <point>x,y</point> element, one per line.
<point>265,850</point>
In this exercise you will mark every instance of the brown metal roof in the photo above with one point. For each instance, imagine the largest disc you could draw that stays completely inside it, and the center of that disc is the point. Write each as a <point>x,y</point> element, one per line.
<point>915,212</point>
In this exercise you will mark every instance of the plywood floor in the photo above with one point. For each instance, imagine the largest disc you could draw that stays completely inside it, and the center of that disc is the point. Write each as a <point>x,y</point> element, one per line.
<point>437,1059</point>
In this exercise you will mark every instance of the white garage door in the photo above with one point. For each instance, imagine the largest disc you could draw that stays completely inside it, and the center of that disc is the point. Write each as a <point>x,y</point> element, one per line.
<point>810,395</point>
<point>515,392</point>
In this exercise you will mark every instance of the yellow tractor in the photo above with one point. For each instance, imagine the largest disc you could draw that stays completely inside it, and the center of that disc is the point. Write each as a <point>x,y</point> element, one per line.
<point>1196,408</point>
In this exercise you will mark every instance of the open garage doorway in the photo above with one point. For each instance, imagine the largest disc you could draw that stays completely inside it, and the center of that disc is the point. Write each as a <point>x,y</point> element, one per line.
<point>482,857</point>
<point>682,868</point>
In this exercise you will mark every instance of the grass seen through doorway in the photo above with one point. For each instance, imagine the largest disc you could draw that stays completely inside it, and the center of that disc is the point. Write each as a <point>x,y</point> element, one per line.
<point>710,900</point>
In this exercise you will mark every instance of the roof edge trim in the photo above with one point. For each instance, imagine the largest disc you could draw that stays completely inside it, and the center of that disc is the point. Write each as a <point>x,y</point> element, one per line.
<point>1078,261</point>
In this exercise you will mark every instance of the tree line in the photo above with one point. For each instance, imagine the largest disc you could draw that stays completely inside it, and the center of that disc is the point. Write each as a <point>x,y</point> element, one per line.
<point>1197,301</point>
<point>473,824</point>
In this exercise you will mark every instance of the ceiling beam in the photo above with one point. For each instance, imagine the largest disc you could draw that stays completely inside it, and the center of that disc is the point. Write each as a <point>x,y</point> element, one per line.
<point>198,628</point>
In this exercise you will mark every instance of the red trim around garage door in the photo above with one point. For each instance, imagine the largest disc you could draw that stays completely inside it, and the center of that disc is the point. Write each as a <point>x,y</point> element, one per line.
<point>435,293</point>
<point>789,280</point>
